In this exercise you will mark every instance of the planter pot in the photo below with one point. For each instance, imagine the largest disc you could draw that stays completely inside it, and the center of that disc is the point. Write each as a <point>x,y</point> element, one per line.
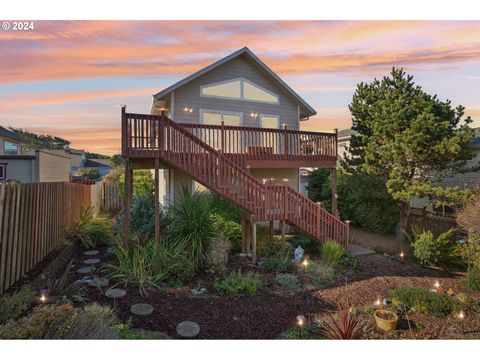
<point>384,324</point>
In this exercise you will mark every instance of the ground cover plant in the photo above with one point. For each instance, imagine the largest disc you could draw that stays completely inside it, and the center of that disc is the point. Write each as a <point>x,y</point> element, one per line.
<point>288,281</point>
<point>12,306</point>
<point>237,283</point>
<point>277,264</point>
<point>423,301</point>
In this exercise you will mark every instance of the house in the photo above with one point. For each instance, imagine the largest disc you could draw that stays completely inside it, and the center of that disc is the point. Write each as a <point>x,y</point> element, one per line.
<point>101,165</point>
<point>77,158</point>
<point>233,127</point>
<point>19,164</point>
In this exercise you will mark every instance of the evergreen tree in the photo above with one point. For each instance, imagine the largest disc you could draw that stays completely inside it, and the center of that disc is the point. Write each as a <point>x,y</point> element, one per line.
<point>409,139</point>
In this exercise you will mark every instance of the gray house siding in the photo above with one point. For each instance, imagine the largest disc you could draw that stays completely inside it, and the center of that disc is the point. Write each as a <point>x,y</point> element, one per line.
<point>19,169</point>
<point>189,96</point>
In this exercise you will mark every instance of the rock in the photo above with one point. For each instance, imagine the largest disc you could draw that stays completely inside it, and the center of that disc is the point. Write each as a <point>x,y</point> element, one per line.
<point>188,330</point>
<point>141,309</point>
<point>91,261</point>
<point>183,291</point>
<point>386,301</point>
<point>85,270</point>
<point>91,252</point>
<point>201,291</point>
<point>115,293</point>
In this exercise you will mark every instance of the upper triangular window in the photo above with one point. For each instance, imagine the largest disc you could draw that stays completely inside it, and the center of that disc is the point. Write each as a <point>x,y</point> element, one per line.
<point>240,89</point>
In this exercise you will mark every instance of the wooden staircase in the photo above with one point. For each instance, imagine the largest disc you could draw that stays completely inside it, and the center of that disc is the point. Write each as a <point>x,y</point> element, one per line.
<point>157,136</point>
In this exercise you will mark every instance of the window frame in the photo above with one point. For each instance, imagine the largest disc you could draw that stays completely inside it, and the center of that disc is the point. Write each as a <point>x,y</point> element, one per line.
<point>242,98</point>
<point>221,112</point>
<point>4,166</point>
<point>5,152</point>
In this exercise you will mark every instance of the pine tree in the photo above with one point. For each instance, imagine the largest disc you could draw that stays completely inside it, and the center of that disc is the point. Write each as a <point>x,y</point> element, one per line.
<point>410,139</point>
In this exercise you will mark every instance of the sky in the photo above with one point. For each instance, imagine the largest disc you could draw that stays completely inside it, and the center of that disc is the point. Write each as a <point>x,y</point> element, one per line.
<point>68,78</point>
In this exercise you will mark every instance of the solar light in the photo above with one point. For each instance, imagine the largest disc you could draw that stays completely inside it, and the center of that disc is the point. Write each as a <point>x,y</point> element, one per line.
<point>301,320</point>
<point>402,255</point>
<point>461,315</point>
<point>43,296</point>
<point>305,264</point>
<point>378,302</point>
<point>436,285</point>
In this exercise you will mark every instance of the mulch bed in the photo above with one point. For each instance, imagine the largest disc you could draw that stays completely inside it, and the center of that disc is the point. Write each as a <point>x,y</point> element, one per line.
<point>273,310</point>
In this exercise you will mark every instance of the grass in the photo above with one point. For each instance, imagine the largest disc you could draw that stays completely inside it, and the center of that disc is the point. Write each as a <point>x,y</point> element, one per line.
<point>237,283</point>
<point>332,252</point>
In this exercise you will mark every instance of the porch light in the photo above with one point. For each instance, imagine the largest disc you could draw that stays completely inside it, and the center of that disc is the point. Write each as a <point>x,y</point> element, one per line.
<point>187,109</point>
<point>254,115</point>
<point>285,179</point>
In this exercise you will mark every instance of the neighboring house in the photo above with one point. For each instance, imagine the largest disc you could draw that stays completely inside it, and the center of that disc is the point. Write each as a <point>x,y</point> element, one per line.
<point>470,180</point>
<point>17,164</point>
<point>77,158</point>
<point>239,90</point>
<point>101,165</point>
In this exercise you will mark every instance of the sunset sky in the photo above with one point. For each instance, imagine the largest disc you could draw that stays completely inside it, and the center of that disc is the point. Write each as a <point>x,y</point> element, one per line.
<point>68,78</point>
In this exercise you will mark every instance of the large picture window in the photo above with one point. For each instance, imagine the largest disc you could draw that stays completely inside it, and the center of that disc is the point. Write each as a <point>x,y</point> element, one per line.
<point>10,148</point>
<point>239,89</point>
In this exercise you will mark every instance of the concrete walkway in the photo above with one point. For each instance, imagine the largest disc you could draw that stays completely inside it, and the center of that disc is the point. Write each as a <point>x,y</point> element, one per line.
<point>357,250</point>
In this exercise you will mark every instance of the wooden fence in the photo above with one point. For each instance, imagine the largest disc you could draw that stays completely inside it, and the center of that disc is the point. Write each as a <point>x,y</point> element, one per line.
<point>431,220</point>
<point>111,200</point>
<point>33,217</point>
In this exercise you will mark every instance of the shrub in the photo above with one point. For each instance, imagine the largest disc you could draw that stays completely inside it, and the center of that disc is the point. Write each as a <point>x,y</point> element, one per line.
<point>90,173</point>
<point>227,209</point>
<point>238,282</point>
<point>228,228</point>
<point>465,303</point>
<point>320,273</point>
<point>288,281</point>
<point>143,183</point>
<point>434,250</point>
<point>91,231</point>
<point>142,217</point>
<point>277,264</point>
<point>469,215</point>
<point>217,255</point>
<point>472,280</point>
<point>309,245</point>
<point>63,322</point>
<point>332,252</point>
<point>348,260</point>
<point>423,301</point>
<point>191,228</point>
<point>14,305</point>
<point>470,252</point>
<point>63,290</point>
<point>344,325</point>
<point>271,249</point>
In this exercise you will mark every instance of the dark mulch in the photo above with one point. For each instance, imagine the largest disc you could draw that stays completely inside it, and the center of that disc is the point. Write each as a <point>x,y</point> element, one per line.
<point>273,310</point>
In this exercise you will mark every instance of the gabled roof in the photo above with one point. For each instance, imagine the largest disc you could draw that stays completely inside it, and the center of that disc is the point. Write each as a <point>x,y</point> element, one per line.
<point>307,111</point>
<point>10,134</point>
<point>97,163</point>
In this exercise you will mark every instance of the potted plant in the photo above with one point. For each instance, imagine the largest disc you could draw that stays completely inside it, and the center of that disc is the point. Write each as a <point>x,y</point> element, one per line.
<point>386,319</point>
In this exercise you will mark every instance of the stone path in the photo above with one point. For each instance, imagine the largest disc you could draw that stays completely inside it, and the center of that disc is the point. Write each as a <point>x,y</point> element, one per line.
<point>357,250</point>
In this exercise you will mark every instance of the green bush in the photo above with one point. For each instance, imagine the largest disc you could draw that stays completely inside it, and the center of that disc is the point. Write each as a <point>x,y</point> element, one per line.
<point>227,209</point>
<point>91,231</point>
<point>431,250</point>
<point>348,260</point>
<point>228,228</point>
<point>332,252</point>
<point>143,183</point>
<point>423,301</point>
<point>288,281</point>
<point>472,280</point>
<point>309,245</point>
<point>277,264</point>
<point>238,282</point>
<point>191,227</point>
<point>142,217</point>
<point>90,173</point>
<point>14,305</point>
<point>363,199</point>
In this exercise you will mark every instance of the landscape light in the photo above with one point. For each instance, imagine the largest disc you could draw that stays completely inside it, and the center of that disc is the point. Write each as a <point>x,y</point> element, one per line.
<point>43,298</point>
<point>378,302</point>
<point>402,255</point>
<point>305,264</point>
<point>301,320</point>
<point>437,284</point>
<point>461,315</point>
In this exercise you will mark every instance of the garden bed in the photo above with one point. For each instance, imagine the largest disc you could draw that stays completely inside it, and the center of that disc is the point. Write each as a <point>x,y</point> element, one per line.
<point>273,309</point>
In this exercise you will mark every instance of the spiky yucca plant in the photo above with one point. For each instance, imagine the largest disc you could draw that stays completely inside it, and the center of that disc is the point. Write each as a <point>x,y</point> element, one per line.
<point>343,326</point>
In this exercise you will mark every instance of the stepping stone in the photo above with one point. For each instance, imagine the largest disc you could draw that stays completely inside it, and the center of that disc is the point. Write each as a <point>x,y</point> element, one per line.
<point>141,309</point>
<point>91,252</point>
<point>188,330</point>
<point>85,270</point>
<point>356,250</point>
<point>115,293</point>
<point>91,261</point>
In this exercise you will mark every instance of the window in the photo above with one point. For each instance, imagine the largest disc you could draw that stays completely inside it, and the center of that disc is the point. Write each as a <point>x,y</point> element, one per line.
<point>270,140</point>
<point>10,148</point>
<point>215,117</point>
<point>239,89</point>
<point>3,171</point>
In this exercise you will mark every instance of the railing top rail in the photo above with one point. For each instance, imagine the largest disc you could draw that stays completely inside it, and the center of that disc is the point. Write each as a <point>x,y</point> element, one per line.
<point>259,129</point>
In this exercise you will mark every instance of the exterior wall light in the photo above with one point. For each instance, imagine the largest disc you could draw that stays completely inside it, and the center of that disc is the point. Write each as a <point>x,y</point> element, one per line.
<point>188,110</point>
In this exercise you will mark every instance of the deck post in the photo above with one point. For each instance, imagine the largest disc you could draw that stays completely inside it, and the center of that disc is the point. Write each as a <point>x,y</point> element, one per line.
<point>128,201</point>
<point>254,240</point>
<point>244,235</point>
<point>248,238</point>
<point>157,203</point>
<point>334,178</point>
<point>282,225</point>
<point>270,232</point>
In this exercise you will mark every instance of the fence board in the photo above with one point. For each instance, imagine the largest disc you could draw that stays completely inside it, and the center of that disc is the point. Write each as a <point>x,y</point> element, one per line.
<point>32,221</point>
<point>111,200</point>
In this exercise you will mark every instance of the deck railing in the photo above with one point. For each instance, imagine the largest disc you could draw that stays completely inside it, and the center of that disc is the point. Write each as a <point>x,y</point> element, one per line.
<point>241,144</point>
<point>175,145</point>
